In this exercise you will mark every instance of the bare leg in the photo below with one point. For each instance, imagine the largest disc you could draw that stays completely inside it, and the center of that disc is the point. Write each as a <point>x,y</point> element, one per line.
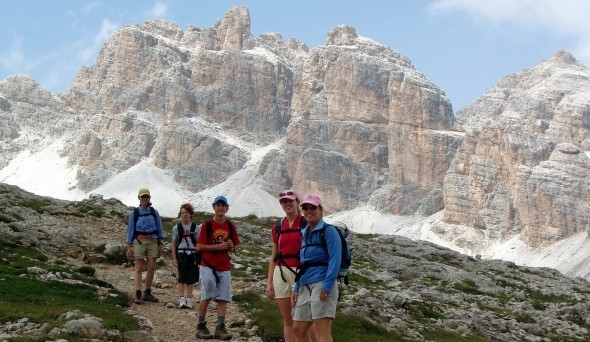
<point>180,289</point>
<point>138,270</point>
<point>285,308</point>
<point>149,276</point>
<point>189,290</point>
<point>301,328</point>
<point>324,329</point>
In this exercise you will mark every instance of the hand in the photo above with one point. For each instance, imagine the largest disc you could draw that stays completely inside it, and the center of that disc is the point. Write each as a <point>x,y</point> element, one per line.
<point>174,262</point>
<point>270,291</point>
<point>129,251</point>
<point>324,295</point>
<point>294,297</point>
<point>160,249</point>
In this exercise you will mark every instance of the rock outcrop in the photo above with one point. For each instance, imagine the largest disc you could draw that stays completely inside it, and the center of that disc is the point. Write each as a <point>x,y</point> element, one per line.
<point>522,166</point>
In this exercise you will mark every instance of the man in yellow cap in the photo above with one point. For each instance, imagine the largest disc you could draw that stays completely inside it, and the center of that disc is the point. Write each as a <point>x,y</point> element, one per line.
<point>144,240</point>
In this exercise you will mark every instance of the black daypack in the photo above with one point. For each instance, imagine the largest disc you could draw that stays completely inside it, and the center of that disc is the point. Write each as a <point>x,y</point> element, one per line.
<point>191,235</point>
<point>209,230</point>
<point>136,216</point>
<point>279,259</point>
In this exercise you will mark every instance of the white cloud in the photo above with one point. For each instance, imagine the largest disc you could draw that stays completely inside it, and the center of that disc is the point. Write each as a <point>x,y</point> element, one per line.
<point>159,10</point>
<point>561,17</point>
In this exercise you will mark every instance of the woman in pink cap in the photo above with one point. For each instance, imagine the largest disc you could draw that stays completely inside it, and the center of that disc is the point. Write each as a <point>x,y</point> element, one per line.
<point>315,294</point>
<point>284,260</point>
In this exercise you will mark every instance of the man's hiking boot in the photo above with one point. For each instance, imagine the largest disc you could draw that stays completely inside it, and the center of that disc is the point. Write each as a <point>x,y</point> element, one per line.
<point>148,297</point>
<point>203,332</point>
<point>221,332</point>
<point>138,297</point>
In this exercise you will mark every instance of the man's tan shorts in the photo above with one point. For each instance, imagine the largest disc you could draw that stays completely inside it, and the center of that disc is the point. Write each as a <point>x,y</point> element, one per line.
<point>283,289</point>
<point>147,249</point>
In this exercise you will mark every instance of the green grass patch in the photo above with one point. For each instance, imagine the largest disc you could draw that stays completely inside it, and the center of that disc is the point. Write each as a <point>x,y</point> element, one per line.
<point>436,333</point>
<point>468,286</point>
<point>38,204</point>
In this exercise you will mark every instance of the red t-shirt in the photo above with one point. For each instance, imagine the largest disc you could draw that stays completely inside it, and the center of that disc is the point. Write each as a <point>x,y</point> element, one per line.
<point>220,232</point>
<point>290,241</point>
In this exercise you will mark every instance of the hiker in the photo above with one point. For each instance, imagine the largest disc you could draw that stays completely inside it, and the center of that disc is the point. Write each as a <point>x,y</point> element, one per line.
<point>144,240</point>
<point>284,260</point>
<point>315,294</point>
<point>184,255</point>
<point>217,238</point>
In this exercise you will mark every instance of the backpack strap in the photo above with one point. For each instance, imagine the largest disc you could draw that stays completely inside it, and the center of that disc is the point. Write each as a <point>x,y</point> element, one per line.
<point>181,235</point>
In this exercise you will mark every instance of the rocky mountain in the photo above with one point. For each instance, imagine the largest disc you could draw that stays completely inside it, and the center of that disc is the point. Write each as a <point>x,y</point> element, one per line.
<point>415,290</point>
<point>522,166</point>
<point>352,120</point>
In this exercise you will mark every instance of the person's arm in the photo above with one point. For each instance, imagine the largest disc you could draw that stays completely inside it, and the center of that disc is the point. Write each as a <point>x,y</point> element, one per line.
<point>334,247</point>
<point>270,290</point>
<point>129,237</point>
<point>173,246</point>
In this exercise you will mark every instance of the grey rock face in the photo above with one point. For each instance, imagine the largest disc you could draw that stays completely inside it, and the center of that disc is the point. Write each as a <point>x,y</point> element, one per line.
<point>522,167</point>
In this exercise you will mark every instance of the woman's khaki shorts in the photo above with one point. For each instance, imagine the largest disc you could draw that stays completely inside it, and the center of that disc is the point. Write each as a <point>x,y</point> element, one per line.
<point>147,249</point>
<point>283,289</point>
<point>309,307</point>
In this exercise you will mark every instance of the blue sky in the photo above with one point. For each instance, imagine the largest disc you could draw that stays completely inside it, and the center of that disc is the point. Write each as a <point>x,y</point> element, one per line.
<point>463,46</point>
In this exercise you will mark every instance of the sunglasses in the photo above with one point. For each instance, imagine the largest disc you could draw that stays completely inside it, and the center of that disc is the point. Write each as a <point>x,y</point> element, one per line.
<point>287,193</point>
<point>145,196</point>
<point>309,207</point>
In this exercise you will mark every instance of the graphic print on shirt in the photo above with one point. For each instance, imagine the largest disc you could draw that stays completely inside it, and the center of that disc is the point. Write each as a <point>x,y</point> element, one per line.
<point>220,236</point>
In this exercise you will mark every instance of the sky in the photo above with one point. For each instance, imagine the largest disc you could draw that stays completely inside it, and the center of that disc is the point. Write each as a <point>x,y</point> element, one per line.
<point>463,46</point>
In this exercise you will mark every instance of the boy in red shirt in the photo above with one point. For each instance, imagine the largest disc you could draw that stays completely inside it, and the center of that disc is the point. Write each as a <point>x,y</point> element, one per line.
<point>217,238</point>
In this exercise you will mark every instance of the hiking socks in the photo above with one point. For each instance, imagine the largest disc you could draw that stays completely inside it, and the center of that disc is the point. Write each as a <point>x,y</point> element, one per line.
<point>220,320</point>
<point>201,319</point>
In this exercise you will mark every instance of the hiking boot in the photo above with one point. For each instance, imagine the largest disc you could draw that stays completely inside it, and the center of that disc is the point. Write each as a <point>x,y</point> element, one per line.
<point>138,297</point>
<point>203,332</point>
<point>189,303</point>
<point>148,297</point>
<point>182,303</point>
<point>221,332</point>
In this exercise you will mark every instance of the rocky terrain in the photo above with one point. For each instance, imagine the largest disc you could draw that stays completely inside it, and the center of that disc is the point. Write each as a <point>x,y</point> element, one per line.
<point>406,286</point>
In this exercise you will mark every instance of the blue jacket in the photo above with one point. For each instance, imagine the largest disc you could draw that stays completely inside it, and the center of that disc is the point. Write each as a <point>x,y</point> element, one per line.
<point>332,256</point>
<point>145,223</point>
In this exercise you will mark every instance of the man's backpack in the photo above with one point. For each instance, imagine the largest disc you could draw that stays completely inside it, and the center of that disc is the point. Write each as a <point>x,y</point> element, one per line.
<point>136,216</point>
<point>279,259</point>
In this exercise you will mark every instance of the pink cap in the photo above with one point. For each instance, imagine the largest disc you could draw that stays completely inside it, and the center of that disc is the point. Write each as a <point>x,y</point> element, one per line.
<point>312,199</point>
<point>288,194</point>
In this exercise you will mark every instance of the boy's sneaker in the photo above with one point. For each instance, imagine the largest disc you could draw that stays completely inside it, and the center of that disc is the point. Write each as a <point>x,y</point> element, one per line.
<point>189,303</point>
<point>138,297</point>
<point>221,332</point>
<point>203,332</point>
<point>182,303</point>
<point>148,297</point>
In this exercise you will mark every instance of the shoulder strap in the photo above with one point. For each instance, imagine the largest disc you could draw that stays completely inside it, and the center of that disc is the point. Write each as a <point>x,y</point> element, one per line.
<point>278,228</point>
<point>135,217</point>
<point>302,222</point>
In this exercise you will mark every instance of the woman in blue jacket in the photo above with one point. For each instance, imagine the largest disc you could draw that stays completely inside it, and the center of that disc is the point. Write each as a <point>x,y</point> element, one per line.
<point>315,294</point>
